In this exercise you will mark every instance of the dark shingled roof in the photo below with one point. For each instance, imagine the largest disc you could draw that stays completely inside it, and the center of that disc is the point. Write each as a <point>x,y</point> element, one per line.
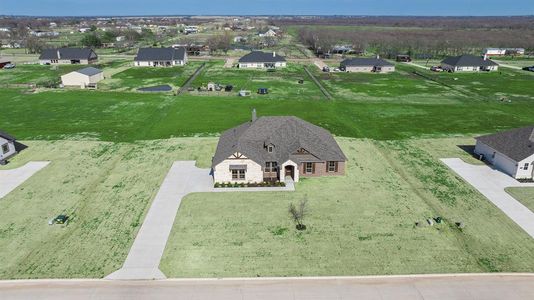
<point>261,57</point>
<point>468,61</point>
<point>287,134</point>
<point>68,53</point>
<point>517,144</point>
<point>89,71</point>
<point>6,136</point>
<point>160,54</point>
<point>365,62</point>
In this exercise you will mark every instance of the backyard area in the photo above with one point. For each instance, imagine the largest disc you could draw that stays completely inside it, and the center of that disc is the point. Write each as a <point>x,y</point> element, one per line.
<point>523,195</point>
<point>361,224</point>
<point>283,83</point>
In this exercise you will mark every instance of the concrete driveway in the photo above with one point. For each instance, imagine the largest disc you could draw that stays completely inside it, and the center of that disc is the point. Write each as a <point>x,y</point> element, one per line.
<point>491,183</point>
<point>464,287</point>
<point>146,252</point>
<point>11,179</point>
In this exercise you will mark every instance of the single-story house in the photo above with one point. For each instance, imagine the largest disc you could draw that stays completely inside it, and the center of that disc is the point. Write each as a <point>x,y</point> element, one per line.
<point>84,78</point>
<point>268,33</point>
<point>4,61</point>
<point>7,147</point>
<point>161,57</point>
<point>469,63</point>
<point>510,151</point>
<point>68,56</point>
<point>275,148</point>
<point>259,59</point>
<point>504,51</point>
<point>377,65</point>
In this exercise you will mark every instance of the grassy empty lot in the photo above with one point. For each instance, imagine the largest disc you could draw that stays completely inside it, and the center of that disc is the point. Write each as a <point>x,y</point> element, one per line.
<point>106,189</point>
<point>138,77</point>
<point>523,195</point>
<point>362,223</point>
<point>282,84</point>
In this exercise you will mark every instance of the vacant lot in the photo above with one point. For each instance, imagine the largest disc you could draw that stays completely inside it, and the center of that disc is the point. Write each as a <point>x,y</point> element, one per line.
<point>282,84</point>
<point>523,195</point>
<point>106,189</point>
<point>363,223</point>
<point>138,77</point>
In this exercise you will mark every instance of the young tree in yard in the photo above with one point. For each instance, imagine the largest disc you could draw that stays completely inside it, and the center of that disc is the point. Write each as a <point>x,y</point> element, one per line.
<point>33,45</point>
<point>298,213</point>
<point>91,40</point>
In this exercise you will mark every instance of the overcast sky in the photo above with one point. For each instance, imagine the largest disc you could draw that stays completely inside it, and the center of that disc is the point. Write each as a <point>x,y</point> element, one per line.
<point>265,7</point>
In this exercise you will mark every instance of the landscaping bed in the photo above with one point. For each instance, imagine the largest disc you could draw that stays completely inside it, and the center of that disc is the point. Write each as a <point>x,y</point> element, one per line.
<point>250,185</point>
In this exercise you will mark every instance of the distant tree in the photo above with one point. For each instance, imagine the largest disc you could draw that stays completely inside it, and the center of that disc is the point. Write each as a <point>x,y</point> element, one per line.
<point>91,40</point>
<point>34,45</point>
<point>93,28</point>
<point>298,213</point>
<point>109,36</point>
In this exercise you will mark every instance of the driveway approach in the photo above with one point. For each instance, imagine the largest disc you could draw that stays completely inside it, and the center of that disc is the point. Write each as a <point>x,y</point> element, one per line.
<point>11,179</point>
<point>146,252</point>
<point>491,183</point>
<point>450,287</point>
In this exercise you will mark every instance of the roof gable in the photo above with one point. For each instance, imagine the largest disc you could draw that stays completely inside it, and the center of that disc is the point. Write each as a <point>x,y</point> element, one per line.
<point>7,136</point>
<point>517,144</point>
<point>89,71</point>
<point>68,53</point>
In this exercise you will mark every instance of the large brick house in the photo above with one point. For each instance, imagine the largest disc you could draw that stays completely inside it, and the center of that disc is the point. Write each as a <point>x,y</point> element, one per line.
<point>273,148</point>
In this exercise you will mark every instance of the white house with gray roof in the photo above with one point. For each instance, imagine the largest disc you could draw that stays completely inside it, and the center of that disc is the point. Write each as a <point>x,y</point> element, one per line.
<point>469,63</point>
<point>7,147</point>
<point>276,148</point>
<point>161,57</point>
<point>262,60</point>
<point>367,65</point>
<point>510,151</point>
<point>68,56</point>
<point>83,78</point>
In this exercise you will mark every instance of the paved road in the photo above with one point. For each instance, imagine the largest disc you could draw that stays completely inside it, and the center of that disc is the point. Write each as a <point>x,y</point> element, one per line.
<point>491,183</point>
<point>450,287</point>
<point>11,179</point>
<point>146,252</point>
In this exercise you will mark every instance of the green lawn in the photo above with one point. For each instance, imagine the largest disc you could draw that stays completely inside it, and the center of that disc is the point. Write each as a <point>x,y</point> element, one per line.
<point>137,77</point>
<point>523,195</point>
<point>106,189</point>
<point>359,224</point>
<point>282,84</point>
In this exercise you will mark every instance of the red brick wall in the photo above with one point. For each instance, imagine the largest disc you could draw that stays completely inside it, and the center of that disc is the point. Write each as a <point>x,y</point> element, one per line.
<point>321,170</point>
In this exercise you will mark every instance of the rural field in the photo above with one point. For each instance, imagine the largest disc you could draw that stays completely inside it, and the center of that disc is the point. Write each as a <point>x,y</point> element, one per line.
<point>105,188</point>
<point>359,224</point>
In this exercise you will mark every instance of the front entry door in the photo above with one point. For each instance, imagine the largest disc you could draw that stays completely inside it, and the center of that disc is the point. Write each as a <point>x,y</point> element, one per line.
<point>290,171</point>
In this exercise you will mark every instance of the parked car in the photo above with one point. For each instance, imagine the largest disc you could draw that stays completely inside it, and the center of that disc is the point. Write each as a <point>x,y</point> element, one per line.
<point>530,69</point>
<point>326,69</point>
<point>61,219</point>
<point>436,69</point>
<point>9,66</point>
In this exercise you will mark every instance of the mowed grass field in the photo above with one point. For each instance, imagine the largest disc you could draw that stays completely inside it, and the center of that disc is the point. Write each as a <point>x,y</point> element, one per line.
<point>359,224</point>
<point>105,188</point>
<point>523,195</point>
<point>138,77</point>
<point>282,84</point>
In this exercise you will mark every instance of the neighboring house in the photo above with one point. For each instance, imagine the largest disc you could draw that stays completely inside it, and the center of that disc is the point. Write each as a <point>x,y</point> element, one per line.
<point>84,78</point>
<point>377,65</point>
<point>7,147</point>
<point>160,57</point>
<point>259,59</point>
<point>509,151</point>
<point>4,61</point>
<point>68,56</point>
<point>469,63</point>
<point>504,51</point>
<point>268,33</point>
<point>273,148</point>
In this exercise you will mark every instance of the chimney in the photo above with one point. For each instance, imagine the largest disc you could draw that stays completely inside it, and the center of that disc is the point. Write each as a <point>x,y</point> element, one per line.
<point>378,56</point>
<point>254,116</point>
<point>274,53</point>
<point>58,54</point>
<point>485,57</point>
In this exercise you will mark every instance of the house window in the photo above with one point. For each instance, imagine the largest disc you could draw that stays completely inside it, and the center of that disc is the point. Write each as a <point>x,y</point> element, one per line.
<point>525,167</point>
<point>271,166</point>
<point>5,148</point>
<point>270,149</point>
<point>309,167</point>
<point>238,174</point>
<point>332,166</point>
